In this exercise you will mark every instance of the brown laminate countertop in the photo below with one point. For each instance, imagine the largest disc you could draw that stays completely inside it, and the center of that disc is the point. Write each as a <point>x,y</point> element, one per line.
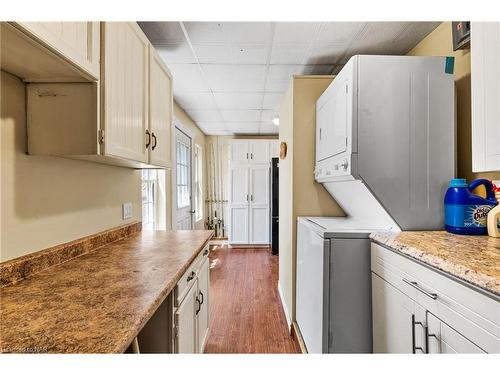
<point>474,259</point>
<point>98,302</point>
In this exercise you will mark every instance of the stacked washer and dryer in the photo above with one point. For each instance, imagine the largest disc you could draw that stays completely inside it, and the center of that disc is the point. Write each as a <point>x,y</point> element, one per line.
<point>385,151</point>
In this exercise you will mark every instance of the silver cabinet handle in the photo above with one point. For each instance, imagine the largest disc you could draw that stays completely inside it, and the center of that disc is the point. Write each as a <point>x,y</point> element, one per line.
<point>251,197</point>
<point>420,289</point>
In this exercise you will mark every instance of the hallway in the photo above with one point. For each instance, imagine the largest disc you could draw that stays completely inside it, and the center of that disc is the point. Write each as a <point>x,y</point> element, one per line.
<point>245,312</point>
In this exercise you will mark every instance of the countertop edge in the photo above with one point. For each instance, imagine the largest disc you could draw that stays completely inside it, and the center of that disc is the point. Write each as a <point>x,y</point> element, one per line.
<point>430,260</point>
<point>161,297</point>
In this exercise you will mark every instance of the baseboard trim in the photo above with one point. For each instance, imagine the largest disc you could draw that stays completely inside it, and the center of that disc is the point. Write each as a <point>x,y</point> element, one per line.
<point>296,333</point>
<point>285,310</point>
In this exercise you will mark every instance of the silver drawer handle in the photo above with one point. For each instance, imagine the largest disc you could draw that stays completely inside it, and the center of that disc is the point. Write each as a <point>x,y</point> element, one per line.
<point>420,289</point>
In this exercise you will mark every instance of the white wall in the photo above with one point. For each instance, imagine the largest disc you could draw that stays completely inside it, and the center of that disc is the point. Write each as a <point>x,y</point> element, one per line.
<point>47,201</point>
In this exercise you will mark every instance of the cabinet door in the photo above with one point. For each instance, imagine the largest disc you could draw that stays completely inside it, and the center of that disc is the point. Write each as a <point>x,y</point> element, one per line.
<point>444,339</point>
<point>160,110</point>
<point>259,204</point>
<point>238,182</point>
<point>79,42</point>
<point>259,152</point>
<point>185,321</point>
<point>125,99</point>
<point>238,233</point>
<point>485,81</point>
<point>397,326</point>
<point>239,152</point>
<point>203,296</point>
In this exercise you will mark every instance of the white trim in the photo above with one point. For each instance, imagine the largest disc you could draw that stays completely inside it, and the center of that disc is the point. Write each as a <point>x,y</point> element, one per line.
<point>283,304</point>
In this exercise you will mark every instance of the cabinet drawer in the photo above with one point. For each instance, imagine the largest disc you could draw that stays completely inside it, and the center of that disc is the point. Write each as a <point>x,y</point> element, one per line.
<point>189,277</point>
<point>475,315</point>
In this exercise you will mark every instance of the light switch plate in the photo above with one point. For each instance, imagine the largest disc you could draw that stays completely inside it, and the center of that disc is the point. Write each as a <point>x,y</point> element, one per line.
<point>127,211</point>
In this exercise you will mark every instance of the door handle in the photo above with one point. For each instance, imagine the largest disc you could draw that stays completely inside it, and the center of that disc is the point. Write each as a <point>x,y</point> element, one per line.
<point>154,139</point>
<point>420,289</point>
<point>413,341</point>
<point>148,142</point>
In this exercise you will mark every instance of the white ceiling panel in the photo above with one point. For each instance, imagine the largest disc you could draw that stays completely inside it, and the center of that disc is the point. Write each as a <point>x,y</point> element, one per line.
<point>250,100</point>
<point>289,53</point>
<point>176,53</point>
<point>272,100</point>
<point>249,53</point>
<point>295,32</point>
<point>188,77</point>
<point>163,32</point>
<point>231,77</point>
<point>239,78</point>
<point>241,115</point>
<point>195,100</point>
<point>205,115</point>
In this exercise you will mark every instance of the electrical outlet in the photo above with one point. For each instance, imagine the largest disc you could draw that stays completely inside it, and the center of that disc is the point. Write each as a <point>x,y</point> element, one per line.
<point>127,211</point>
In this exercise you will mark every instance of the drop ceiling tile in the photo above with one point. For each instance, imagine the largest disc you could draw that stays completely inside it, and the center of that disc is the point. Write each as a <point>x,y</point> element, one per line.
<point>232,100</point>
<point>269,129</point>
<point>289,53</point>
<point>239,78</point>
<point>175,53</point>
<point>272,100</point>
<point>234,32</point>
<point>295,32</point>
<point>250,32</point>
<point>412,35</point>
<point>213,53</point>
<point>188,77</point>
<point>317,69</point>
<point>241,115</point>
<point>322,53</point>
<point>341,33</point>
<point>204,115</point>
<point>209,127</point>
<point>203,32</point>
<point>268,115</point>
<point>249,53</point>
<point>195,100</point>
<point>279,76</point>
<point>163,32</point>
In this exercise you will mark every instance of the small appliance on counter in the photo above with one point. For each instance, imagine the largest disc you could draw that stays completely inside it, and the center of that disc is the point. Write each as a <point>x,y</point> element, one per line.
<point>466,212</point>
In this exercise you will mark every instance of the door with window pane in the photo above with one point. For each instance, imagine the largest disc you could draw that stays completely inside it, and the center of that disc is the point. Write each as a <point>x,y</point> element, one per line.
<point>183,204</point>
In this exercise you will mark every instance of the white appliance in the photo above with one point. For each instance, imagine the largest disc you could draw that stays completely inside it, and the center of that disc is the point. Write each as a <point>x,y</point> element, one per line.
<point>385,151</point>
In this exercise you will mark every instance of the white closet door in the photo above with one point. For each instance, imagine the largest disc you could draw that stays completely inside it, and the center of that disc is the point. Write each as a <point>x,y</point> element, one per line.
<point>259,152</point>
<point>259,204</point>
<point>238,210</point>
<point>238,152</point>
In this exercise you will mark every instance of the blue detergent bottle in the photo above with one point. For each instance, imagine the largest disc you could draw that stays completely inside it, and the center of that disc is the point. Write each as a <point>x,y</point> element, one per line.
<point>465,212</point>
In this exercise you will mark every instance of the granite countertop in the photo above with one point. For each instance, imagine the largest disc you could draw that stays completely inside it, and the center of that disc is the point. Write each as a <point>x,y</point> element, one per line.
<point>474,259</point>
<point>97,302</point>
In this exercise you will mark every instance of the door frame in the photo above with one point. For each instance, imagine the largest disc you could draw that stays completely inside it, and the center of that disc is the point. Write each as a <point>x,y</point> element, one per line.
<point>178,125</point>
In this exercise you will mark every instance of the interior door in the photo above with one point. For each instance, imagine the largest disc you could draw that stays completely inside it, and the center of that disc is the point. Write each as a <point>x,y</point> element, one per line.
<point>160,110</point>
<point>259,204</point>
<point>125,99</point>
<point>203,283</point>
<point>185,321</point>
<point>183,202</point>
<point>239,200</point>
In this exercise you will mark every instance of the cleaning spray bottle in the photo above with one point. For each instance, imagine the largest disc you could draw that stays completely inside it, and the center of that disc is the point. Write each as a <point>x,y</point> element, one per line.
<point>494,216</point>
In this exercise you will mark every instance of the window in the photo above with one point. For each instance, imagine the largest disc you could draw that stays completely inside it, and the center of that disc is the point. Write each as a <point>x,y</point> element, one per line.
<point>149,189</point>
<point>198,183</point>
<point>183,160</point>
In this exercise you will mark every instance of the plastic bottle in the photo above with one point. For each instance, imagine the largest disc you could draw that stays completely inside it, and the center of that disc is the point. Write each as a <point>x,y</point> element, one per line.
<point>465,212</point>
<point>494,216</point>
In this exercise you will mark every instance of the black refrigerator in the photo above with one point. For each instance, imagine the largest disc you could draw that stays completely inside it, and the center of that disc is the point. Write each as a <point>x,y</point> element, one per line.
<point>275,206</point>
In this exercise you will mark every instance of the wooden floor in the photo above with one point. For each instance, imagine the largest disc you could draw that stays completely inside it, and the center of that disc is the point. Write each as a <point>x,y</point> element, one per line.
<point>245,312</point>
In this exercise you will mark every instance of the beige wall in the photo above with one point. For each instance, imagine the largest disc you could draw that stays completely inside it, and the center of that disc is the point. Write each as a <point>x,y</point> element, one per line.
<point>439,43</point>
<point>300,194</point>
<point>199,139</point>
<point>46,201</point>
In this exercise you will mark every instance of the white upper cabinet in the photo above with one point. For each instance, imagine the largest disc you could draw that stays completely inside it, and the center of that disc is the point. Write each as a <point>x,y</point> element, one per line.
<point>125,99</point>
<point>160,110</point>
<point>123,119</point>
<point>239,152</point>
<point>250,151</point>
<point>485,81</point>
<point>259,152</point>
<point>77,41</point>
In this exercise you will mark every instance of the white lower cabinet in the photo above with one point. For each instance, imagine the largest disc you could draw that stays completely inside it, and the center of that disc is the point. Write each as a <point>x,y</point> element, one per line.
<point>419,310</point>
<point>191,316</point>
